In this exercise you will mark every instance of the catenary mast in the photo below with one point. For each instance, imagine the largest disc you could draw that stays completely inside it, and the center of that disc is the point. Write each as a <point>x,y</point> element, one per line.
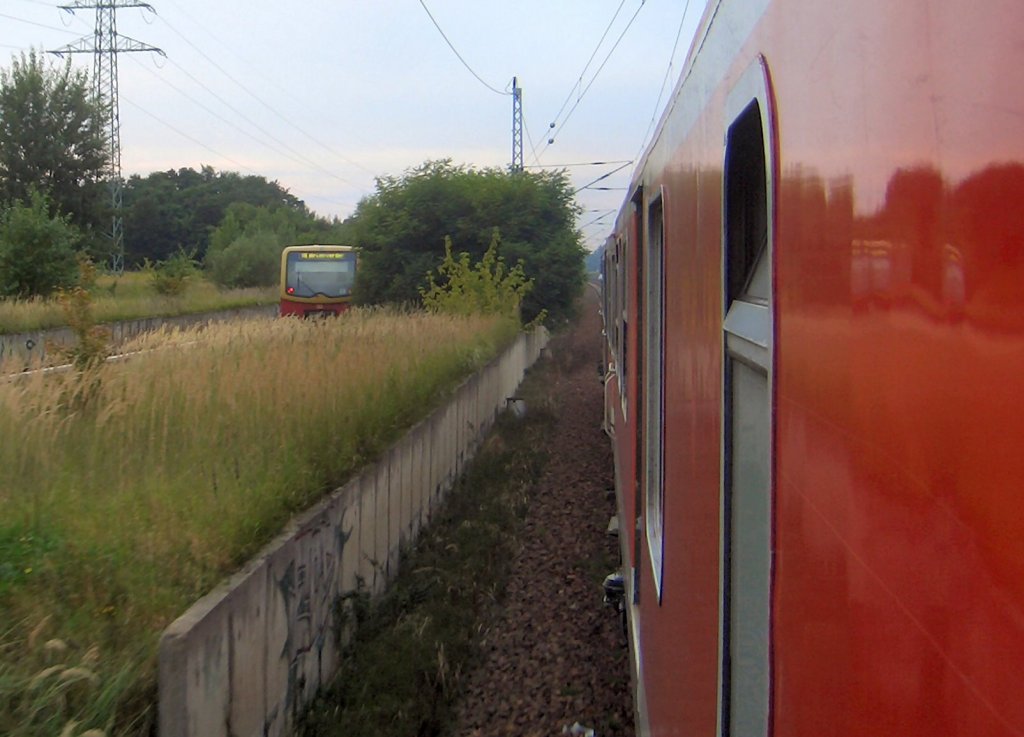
<point>517,126</point>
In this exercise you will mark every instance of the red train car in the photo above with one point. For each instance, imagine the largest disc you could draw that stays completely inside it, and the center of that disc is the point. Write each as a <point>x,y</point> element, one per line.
<point>814,303</point>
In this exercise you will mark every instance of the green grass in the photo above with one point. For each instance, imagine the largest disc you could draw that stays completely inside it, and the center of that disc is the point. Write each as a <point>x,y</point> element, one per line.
<point>131,296</point>
<point>402,671</point>
<point>126,494</point>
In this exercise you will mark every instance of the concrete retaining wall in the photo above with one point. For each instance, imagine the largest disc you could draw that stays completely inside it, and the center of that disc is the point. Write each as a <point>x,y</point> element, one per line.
<point>29,347</point>
<point>246,659</point>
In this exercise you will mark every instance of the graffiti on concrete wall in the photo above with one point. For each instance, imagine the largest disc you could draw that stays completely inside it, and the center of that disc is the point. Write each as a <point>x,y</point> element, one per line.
<point>308,589</point>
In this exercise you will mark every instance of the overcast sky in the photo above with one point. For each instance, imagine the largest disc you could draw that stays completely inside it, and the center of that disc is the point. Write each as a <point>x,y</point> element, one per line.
<point>324,95</point>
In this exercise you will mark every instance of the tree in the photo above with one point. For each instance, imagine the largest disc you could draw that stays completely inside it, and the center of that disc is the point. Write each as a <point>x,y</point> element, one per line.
<point>245,249</point>
<point>251,260</point>
<point>171,210</point>
<point>52,140</point>
<point>37,249</point>
<point>401,231</point>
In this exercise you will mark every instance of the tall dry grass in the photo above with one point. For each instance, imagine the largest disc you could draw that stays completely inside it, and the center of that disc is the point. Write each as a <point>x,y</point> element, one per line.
<point>131,296</point>
<point>127,493</point>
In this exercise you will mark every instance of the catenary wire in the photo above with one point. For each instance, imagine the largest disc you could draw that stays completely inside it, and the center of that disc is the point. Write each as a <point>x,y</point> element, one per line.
<point>664,81</point>
<point>457,54</point>
<point>593,79</point>
<point>596,220</point>
<point>579,163</point>
<point>533,147</point>
<point>579,81</point>
<point>603,176</point>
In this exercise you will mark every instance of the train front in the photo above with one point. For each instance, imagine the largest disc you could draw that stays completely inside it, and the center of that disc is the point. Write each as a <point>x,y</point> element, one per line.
<point>317,280</point>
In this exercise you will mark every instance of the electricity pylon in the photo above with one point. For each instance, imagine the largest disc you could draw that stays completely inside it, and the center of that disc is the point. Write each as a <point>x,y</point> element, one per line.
<point>105,44</point>
<point>517,126</point>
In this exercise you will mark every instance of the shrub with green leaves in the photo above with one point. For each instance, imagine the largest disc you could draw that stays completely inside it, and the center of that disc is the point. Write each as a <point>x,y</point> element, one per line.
<point>245,249</point>
<point>487,288</point>
<point>400,230</point>
<point>37,250</point>
<point>170,277</point>
<point>252,260</point>
<point>91,346</point>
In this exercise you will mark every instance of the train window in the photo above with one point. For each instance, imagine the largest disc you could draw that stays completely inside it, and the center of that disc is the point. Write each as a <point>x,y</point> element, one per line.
<point>747,414</point>
<point>312,273</point>
<point>623,319</point>
<point>637,300</point>
<point>614,312</point>
<point>654,488</point>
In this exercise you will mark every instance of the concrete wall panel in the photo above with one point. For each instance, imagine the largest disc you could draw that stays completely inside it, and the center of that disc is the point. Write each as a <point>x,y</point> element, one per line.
<point>368,527</point>
<point>418,485</point>
<point>408,447</point>
<point>280,644</point>
<point>26,348</point>
<point>247,658</point>
<point>382,547</point>
<point>394,461</point>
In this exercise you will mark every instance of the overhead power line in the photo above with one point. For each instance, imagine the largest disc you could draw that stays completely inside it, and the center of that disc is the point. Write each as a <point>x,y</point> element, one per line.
<point>215,152</point>
<point>34,23</point>
<point>292,153</point>
<point>457,54</point>
<point>186,136</point>
<point>217,115</point>
<point>261,101</point>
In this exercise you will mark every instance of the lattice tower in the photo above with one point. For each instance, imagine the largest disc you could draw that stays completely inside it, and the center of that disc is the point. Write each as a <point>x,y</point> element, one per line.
<point>105,44</point>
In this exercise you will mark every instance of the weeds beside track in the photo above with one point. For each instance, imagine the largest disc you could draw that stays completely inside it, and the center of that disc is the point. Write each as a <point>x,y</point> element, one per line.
<point>128,491</point>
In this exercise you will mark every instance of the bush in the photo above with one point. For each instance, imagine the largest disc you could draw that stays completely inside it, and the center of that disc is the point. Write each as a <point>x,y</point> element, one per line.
<point>252,260</point>
<point>170,277</point>
<point>37,250</point>
<point>91,348</point>
<point>401,228</point>
<point>488,288</point>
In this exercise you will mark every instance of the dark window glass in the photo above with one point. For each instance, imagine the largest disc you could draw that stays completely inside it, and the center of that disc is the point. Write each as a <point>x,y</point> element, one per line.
<point>312,274</point>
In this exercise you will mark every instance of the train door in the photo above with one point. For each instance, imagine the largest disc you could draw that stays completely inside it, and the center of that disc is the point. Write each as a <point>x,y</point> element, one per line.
<point>746,502</point>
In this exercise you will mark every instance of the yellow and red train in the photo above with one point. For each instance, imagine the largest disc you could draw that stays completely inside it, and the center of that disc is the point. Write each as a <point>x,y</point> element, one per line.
<point>317,279</point>
<point>814,307</point>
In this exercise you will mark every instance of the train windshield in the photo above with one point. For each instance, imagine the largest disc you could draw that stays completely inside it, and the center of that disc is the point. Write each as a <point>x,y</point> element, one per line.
<point>328,274</point>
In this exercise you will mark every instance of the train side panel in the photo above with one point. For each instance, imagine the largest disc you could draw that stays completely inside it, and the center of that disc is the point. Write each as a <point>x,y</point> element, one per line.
<point>899,599</point>
<point>895,157</point>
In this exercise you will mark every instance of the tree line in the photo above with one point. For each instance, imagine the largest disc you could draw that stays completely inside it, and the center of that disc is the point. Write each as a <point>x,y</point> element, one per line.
<point>55,205</point>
